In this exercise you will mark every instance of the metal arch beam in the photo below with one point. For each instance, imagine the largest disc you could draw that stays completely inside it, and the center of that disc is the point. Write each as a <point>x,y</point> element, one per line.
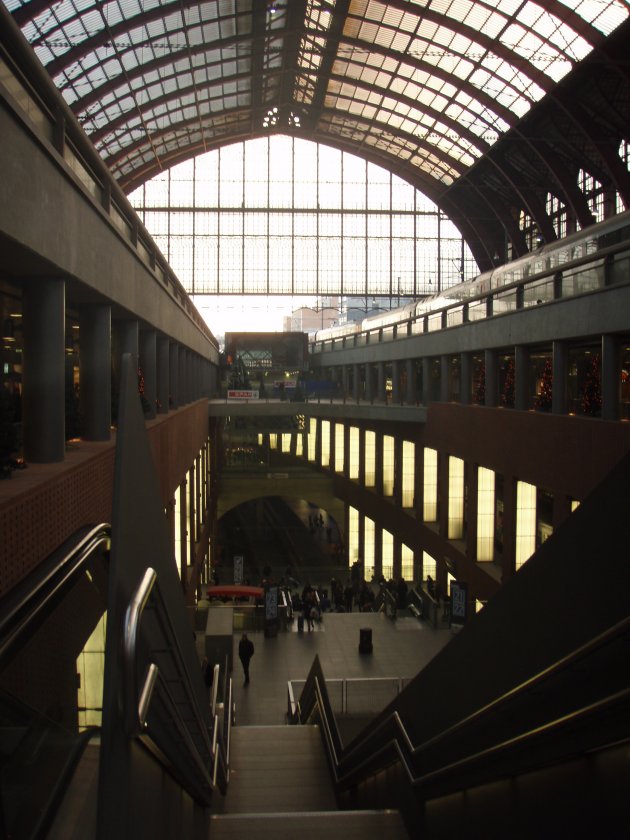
<point>432,70</point>
<point>324,72</point>
<point>618,175</point>
<point>574,197</point>
<point>259,14</point>
<point>155,137</point>
<point>296,9</point>
<point>407,100</point>
<point>106,35</point>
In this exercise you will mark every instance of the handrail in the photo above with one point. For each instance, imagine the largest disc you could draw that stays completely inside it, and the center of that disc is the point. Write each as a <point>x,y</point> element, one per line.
<point>348,765</point>
<point>31,599</point>
<point>136,707</point>
<point>133,616</point>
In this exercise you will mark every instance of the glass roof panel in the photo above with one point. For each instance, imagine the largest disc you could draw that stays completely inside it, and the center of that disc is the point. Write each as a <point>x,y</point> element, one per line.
<point>372,70</point>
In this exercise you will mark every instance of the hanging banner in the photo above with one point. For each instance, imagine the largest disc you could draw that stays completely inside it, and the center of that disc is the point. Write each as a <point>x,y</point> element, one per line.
<point>238,568</point>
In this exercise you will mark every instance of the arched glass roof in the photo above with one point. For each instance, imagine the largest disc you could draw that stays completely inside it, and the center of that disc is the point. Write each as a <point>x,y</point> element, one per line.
<point>424,87</point>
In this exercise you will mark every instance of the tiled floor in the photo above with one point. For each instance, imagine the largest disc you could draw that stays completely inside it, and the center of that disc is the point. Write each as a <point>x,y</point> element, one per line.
<point>400,649</point>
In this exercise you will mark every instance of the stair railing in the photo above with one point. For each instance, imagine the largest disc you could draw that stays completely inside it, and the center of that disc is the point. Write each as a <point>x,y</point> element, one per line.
<point>203,766</point>
<point>445,761</point>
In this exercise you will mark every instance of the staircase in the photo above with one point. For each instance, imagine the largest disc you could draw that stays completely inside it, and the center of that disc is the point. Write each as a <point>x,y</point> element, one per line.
<point>280,786</point>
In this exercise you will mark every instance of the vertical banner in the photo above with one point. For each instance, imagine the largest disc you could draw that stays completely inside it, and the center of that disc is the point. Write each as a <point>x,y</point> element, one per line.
<point>459,602</point>
<point>238,568</point>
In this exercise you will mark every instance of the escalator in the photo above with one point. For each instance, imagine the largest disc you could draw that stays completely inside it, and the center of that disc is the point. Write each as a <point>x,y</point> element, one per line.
<point>520,727</point>
<point>51,705</point>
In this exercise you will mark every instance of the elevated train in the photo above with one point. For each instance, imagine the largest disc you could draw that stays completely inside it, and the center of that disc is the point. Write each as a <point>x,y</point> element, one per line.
<point>577,262</point>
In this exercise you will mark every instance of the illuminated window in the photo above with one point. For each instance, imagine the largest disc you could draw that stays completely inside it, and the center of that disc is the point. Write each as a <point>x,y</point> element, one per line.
<point>299,446</point>
<point>325,429</point>
<point>430,485</point>
<point>388,555</point>
<point>429,566</point>
<point>338,447</point>
<point>353,453</point>
<point>353,535</point>
<point>90,670</point>
<point>273,441</point>
<point>312,439</point>
<point>408,473</point>
<point>525,522</point>
<point>388,465</point>
<point>180,538</point>
<point>286,443</point>
<point>574,505</point>
<point>455,498</point>
<point>479,605</point>
<point>485,514</point>
<point>368,547</point>
<point>370,459</point>
<point>406,567</point>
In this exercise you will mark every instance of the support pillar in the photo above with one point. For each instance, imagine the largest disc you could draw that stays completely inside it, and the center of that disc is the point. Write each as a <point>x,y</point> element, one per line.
<point>465,387</point>
<point>560,365</point>
<point>412,391</point>
<point>521,378</point>
<point>163,370</point>
<point>610,375</point>
<point>148,365</point>
<point>173,363</point>
<point>426,380</point>
<point>492,378</point>
<point>43,396</point>
<point>95,371</point>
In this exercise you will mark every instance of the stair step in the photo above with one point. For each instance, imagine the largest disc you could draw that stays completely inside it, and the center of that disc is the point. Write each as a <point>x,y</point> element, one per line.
<point>275,767</point>
<point>310,825</point>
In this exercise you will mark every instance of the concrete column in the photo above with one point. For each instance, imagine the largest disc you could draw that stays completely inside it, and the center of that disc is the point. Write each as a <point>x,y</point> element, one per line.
<point>465,384</point>
<point>521,378</point>
<point>43,382</point>
<point>369,382</point>
<point>356,376</point>
<point>444,378</point>
<point>560,366</point>
<point>492,378</point>
<point>610,377</point>
<point>128,339</point>
<point>148,365</point>
<point>182,379</point>
<point>173,365</point>
<point>395,382</point>
<point>381,394</point>
<point>163,369</point>
<point>412,391</point>
<point>95,371</point>
<point>426,380</point>
<point>344,380</point>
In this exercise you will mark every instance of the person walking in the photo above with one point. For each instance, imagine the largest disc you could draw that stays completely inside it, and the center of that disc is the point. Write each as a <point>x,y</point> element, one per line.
<point>245,653</point>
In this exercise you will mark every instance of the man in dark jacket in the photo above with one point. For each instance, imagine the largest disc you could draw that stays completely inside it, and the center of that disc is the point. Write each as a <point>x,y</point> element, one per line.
<point>245,653</point>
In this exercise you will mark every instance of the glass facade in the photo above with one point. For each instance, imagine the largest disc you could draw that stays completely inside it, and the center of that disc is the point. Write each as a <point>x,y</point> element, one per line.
<point>406,562</point>
<point>387,547</point>
<point>369,546</point>
<point>339,442</point>
<point>408,473</point>
<point>455,498</point>
<point>429,513</point>
<point>284,216</point>
<point>388,465</point>
<point>370,459</point>
<point>525,522</point>
<point>353,535</point>
<point>353,465</point>
<point>485,515</point>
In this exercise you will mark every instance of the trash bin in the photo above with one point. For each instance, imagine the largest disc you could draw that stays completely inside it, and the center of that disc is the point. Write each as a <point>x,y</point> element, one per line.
<point>365,640</point>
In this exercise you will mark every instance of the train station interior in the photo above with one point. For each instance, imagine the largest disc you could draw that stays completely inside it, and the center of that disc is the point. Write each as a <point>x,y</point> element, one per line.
<point>315,335</point>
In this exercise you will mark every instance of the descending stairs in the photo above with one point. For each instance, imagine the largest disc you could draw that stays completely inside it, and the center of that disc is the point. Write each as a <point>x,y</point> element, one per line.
<point>280,787</point>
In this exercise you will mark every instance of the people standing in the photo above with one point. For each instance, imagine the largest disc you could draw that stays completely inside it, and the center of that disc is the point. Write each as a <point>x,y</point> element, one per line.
<point>245,653</point>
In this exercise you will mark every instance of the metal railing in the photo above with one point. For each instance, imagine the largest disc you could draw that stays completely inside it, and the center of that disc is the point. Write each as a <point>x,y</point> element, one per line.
<point>206,765</point>
<point>494,740</point>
